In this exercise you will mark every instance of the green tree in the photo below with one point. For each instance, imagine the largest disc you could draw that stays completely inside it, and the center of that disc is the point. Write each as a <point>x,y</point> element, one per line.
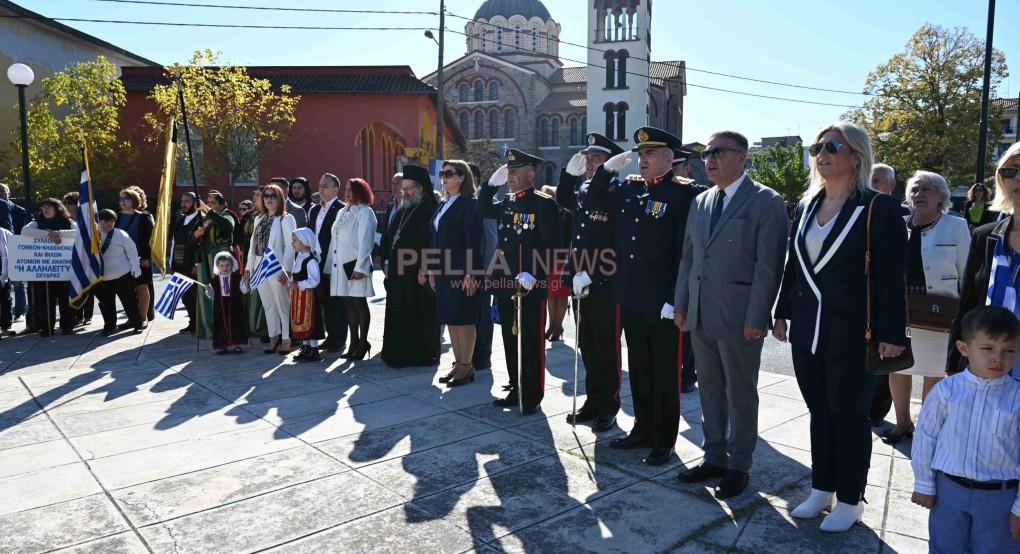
<point>925,107</point>
<point>80,105</point>
<point>242,122</point>
<point>782,169</point>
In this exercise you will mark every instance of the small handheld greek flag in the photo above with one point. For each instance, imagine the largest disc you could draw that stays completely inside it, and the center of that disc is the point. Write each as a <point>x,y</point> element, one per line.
<point>167,303</point>
<point>269,266</point>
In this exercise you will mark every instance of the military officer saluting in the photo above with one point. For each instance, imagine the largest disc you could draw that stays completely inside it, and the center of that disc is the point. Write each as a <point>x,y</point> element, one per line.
<point>682,173</point>
<point>527,233</point>
<point>590,265</point>
<point>651,219</point>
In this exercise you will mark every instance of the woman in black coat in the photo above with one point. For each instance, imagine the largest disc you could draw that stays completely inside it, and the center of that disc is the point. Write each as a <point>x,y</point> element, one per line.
<point>824,295</point>
<point>1000,238</point>
<point>457,237</point>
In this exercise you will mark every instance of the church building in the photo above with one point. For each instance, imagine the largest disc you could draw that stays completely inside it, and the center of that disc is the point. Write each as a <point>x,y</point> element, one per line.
<point>512,87</point>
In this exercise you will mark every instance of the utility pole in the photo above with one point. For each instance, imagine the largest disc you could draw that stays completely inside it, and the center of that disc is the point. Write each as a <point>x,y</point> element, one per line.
<point>440,135</point>
<point>980,177</point>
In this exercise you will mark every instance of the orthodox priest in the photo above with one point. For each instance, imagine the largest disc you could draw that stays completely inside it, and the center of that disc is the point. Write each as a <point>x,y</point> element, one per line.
<point>411,331</point>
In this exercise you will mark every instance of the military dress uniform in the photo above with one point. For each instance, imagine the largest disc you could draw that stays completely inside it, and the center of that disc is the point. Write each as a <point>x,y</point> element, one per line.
<point>527,233</point>
<point>651,220</point>
<point>592,250</point>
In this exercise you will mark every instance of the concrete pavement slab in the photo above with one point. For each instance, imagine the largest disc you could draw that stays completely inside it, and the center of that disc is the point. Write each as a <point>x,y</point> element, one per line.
<point>39,429</point>
<point>35,457</point>
<point>359,418</point>
<point>59,484</point>
<point>229,483</point>
<point>123,543</point>
<point>59,525</point>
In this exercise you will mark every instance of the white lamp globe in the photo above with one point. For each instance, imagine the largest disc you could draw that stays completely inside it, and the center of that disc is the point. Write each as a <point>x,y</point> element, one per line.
<point>20,74</point>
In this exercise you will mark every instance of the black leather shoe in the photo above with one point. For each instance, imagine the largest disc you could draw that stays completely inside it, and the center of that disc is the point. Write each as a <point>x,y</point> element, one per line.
<point>509,402</point>
<point>481,364</point>
<point>582,415</point>
<point>507,387</point>
<point>687,388</point>
<point>188,329</point>
<point>700,473</point>
<point>529,411</point>
<point>107,331</point>
<point>604,423</point>
<point>629,442</point>
<point>659,456</point>
<point>732,484</point>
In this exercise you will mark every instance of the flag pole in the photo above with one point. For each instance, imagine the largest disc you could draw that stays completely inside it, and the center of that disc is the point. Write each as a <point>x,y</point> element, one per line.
<point>194,183</point>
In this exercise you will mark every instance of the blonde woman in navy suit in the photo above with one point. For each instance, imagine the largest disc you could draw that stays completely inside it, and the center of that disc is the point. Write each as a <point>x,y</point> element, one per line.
<point>457,236</point>
<point>823,296</point>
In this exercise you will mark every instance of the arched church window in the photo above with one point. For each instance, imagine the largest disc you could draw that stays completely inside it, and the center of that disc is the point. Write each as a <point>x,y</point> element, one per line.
<point>621,68</point>
<point>479,91</point>
<point>463,93</point>
<point>621,121</point>
<point>610,110</point>
<point>494,91</point>
<point>493,124</point>
<point>544,134</point>
<point>479,126</point>
<point>508,123</point>
<point>464,123</point>
<point>610,57</point>
<point>555,132</point>
<point>573,131</point>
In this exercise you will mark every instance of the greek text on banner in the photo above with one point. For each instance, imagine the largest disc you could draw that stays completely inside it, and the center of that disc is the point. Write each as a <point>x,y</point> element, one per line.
<point>33,259</point>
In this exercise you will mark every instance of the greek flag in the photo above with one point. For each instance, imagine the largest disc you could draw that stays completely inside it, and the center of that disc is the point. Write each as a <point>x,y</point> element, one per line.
<point>86,261</point>
<point>269,266</point>
<point>167,303</point>
<point>1002,287</point>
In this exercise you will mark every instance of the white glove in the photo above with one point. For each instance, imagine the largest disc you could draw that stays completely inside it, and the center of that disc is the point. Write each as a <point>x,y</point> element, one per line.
<point>527,280</point>
<point>667,311</point>
<point>581,282</point>
<point>617,162</point>
<point>499,178</point>
<point>136,271</point>
<point>577,165</point>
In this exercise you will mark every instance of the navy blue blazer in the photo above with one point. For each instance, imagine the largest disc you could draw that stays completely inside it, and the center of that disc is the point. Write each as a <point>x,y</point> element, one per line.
<point>459,237</point>
<point>326,231</point>
<point>825,300</point>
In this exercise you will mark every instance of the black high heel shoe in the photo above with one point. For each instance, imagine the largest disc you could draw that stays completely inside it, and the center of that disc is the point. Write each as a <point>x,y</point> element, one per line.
<point>889,437</point>
<point>352,350</point>
<point>365,349</point>
<point>284,352</point>
<point>272,349</point>
<point>469,378</point>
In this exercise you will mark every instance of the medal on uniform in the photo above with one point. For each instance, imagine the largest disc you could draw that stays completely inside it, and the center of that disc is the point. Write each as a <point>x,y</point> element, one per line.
<point>656,209</point>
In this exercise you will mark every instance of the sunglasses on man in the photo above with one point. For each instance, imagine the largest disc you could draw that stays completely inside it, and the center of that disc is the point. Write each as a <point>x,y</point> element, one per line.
<point>830,146</point>
<point>1008,172</point>
<point>716,152</point>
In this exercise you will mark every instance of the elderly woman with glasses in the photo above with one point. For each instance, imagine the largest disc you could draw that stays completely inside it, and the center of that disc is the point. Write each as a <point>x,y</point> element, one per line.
<point>992,275</point>
<point>273,229</point>
<point>827,300</point>
<point>936,258</point>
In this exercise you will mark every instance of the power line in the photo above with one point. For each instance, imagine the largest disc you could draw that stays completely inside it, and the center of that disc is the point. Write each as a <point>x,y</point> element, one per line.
<point>643,75</point>
<point>263,8</point>
<point>586,47</point>
<point>557,40</point>
<point>216,25</point>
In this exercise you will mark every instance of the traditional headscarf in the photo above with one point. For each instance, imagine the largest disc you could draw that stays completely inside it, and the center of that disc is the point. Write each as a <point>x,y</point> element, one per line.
<point>221,255</point>
<point>307,237</point>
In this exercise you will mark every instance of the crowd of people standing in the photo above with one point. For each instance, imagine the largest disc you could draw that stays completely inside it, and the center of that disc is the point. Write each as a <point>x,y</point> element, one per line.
<point>684,272</point>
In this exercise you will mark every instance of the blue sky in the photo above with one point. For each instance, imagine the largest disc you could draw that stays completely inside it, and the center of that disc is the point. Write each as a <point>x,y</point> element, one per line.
<point>827,44</point>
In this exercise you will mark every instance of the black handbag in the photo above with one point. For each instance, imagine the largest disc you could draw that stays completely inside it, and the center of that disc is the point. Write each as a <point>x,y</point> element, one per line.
<point>873,362</point>
<point>349,269</point>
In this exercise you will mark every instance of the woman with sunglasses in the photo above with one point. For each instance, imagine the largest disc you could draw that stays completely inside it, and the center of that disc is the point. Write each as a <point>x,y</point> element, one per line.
<point>353,239</point>
<point>273,228</point>
<point>994,246</point>
<point>256,313</point>
<point>936,258</point>
<point>457,236</point>
<point>138,224</point>
<point>824,297</point>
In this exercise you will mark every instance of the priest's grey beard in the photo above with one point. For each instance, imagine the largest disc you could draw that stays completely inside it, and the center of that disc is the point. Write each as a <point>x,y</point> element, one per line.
<point>412,200</point>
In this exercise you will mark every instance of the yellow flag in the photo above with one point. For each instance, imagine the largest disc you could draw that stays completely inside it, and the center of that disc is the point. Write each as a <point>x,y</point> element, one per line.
<point>161,232</point>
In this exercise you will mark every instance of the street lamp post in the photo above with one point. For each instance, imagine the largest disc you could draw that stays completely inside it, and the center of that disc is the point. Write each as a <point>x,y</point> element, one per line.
<point>440,88</point>
<point>21,76</point>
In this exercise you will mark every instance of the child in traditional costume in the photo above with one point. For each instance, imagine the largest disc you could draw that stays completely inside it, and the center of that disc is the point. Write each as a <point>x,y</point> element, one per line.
<point>305,313</point>
<point>227,289</point>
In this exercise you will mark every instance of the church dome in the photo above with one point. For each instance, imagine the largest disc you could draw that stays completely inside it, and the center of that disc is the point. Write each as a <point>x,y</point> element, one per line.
<point>508,8</point>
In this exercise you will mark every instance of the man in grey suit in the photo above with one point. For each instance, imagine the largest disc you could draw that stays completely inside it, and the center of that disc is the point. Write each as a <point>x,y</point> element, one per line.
<point>729,277</point>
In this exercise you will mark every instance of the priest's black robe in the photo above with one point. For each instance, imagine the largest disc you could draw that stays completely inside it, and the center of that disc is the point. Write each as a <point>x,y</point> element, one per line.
<point>411,331</point>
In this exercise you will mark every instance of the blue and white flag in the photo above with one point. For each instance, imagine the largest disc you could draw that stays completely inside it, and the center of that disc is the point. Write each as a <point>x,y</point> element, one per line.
<point>1002,287</point>
<point>86,260</point>
<point>175,289</point>
<point>269,266</point>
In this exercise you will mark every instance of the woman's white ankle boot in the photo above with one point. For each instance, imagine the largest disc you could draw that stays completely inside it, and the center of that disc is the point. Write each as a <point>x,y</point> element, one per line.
<point>814,505</point>
<point>843,517</point>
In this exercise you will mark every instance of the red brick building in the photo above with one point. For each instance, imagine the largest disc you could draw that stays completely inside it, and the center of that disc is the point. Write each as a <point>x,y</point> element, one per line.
<point>351,121</point>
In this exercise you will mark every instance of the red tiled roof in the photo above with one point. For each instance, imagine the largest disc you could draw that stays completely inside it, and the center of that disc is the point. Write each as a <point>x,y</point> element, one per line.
<point>341,79</point>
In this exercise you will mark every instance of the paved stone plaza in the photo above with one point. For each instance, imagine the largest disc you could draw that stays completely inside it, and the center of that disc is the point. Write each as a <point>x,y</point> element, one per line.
<point>140,444</point>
